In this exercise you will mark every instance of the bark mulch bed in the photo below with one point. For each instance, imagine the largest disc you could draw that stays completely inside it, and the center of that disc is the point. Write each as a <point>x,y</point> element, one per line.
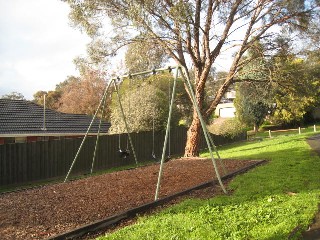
<point>46,211</point>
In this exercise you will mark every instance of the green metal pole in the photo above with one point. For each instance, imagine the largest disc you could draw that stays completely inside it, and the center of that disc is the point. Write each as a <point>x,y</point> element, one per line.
<point>125,122</point>
<point>98,135</point>
<point>167,133</point>
<point>187,80</point>
<point>216,150</point>
<point>146,72</point>
<point>86,135</point>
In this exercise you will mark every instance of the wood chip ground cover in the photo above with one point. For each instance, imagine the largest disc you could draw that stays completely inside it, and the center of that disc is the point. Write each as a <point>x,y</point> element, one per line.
<point>50,210</point>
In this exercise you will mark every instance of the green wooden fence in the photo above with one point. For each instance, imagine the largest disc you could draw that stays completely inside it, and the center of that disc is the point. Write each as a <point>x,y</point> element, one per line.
<point>23,163</point>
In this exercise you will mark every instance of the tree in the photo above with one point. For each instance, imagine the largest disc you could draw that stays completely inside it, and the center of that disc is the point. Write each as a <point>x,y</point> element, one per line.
<point>282,80</point>
<point>52,98</point>
<point>82,95</point>
<point>144,55</point>
<point>197,31</point>
<point>254,92</point>
<point>145,102</point>
<point>142,106</point>
<point>296,90</point>
<point>14,96</point>
<point>251,110</point>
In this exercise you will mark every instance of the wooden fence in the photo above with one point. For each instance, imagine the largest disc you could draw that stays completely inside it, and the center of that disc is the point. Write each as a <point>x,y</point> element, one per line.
<point>23,163</point>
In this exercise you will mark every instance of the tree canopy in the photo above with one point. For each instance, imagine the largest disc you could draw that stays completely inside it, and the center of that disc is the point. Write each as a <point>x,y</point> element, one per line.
<point>52,98</point>
<point>297,89</point>
<point>285,83</point>
<point>194,33</point>
<point>251,107</point>
<point>14,96</point>
<point>145,102</point>
<point>83,94</point>
<point>141,56</point>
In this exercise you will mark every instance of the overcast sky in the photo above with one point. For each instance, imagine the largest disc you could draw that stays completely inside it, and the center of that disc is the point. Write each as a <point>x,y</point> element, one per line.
<point>37,45</point>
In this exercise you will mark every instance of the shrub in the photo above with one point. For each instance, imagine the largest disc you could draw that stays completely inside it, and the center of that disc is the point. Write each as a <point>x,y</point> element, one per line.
<point>229,127</point>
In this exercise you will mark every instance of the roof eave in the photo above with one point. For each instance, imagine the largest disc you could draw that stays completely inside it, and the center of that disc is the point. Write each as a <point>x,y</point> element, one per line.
<point>48,134</point>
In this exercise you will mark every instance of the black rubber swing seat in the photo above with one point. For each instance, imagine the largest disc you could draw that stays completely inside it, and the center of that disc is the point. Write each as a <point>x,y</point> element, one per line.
<point>124,154</point>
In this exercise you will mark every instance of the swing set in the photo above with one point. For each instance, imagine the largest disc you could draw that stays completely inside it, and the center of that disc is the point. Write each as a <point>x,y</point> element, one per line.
<point>126,153</point>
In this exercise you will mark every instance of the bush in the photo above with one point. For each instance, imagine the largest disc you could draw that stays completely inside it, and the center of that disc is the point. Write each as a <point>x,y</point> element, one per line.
<point>229,127</point>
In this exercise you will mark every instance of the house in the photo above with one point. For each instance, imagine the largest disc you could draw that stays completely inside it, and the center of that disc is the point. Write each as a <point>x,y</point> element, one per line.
<point>25,121</point>
<point>225,108</point>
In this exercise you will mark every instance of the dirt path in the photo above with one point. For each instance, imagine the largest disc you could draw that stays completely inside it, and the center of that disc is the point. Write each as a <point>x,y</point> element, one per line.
<point>314,143</point>
<point>43,212</point>
<point>313,232</point>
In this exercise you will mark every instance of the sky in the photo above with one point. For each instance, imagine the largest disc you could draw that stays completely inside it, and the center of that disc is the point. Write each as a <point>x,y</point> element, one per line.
<point>37,45</point>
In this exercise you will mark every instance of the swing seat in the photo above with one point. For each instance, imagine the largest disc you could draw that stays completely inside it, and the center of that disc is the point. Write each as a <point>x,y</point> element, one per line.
<point>124,154</point>
<point>153,156</point>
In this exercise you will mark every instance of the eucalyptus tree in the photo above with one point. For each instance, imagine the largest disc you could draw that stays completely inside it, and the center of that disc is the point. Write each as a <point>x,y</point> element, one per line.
<point>81,95</point>
<point>50,98</point>
<point>13,96</point>
<point>255,87</point>
<point>144,55</point>
<point>194,33</point>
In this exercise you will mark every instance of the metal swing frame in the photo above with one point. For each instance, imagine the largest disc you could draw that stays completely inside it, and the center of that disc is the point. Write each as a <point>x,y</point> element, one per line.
<point>100,107</point>
<point>208,138</point>
<point>185,76</point>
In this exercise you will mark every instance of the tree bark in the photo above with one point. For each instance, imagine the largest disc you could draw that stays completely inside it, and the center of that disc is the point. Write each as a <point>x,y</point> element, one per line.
<point>194,131</point>
<point>193,137</point>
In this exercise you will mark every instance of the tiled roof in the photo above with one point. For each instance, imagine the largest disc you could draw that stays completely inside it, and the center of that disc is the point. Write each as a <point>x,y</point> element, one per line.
<point>25,117</point>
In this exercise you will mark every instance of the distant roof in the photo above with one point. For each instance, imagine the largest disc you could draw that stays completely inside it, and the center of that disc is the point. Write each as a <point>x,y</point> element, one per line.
<point>25,117</point>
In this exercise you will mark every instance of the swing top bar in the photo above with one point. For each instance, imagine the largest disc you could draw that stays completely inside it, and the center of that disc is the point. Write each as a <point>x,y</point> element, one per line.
<point>146,72</point>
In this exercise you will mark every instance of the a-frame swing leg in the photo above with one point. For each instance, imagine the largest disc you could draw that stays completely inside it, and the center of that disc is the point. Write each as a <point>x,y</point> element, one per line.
<point>216,150</point>
<point>167,134</point>
<point>86,135</point>
<point>207,137</point>
<point>125,121</point>
<point>203,125</point>
<point>98,134</point>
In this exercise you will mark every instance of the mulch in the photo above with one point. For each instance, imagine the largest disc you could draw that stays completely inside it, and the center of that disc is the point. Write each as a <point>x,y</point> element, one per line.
<point>46,211</point>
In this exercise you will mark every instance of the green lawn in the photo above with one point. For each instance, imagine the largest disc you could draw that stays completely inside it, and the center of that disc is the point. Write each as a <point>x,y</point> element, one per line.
<point>267,203</point>
<point>306,129</point>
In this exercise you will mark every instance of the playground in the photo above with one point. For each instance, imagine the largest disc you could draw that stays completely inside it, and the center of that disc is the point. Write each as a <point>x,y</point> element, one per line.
<point>275,201</point>
<point>46,211</point>
<point>278,199</point>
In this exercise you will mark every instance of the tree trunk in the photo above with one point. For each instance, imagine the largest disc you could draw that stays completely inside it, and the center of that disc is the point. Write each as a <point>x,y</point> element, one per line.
<point>194,131</point>
<point>193,138</point>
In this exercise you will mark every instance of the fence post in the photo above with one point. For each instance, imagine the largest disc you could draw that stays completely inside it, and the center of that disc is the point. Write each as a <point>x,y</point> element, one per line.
<point>270,134</point>
<point>299,130</point>
<point>314,128</point>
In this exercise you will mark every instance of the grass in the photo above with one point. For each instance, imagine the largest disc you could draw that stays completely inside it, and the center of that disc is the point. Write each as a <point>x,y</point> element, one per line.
<point>306,129</point>
<point>270,202</point>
